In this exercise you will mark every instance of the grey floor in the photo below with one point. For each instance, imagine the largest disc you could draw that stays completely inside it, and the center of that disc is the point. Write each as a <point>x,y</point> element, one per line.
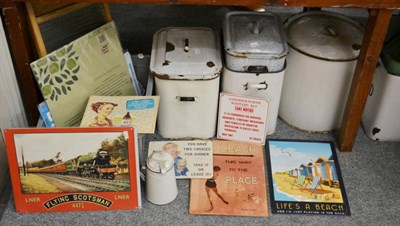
<point>370,174</point>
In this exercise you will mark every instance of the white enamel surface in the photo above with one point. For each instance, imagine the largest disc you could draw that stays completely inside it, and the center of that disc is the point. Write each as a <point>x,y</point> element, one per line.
<point>315,92</point>
<point>181,119</point>
<point>382,110</point>
<point>161,189</point>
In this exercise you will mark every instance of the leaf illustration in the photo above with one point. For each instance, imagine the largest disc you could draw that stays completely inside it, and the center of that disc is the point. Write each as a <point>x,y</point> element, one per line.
<point>69,48</point>
<point>58,79</point>
<point>58,90</point>
<point>75,78</point>
<point>53,58</point>
<point>51,82</point>
<point>46,79</point>
<point>56,97</point>
<point>64,90</point>
<point>68,72</point>
<point>41,62</point>
<point>69,88</point>
<point>71,54</point>
<point>62,64</point>
<point>76,70</point>
<point>77,57</point>
<point>41,71</point>
<point>64,76</point>
<point>45,69</point>
<point>70,82</point>
<point>52,95</point>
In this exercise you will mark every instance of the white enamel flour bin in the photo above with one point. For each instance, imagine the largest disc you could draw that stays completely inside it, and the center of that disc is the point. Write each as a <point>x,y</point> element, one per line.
<point>186,64</point>
<point>324,47</point>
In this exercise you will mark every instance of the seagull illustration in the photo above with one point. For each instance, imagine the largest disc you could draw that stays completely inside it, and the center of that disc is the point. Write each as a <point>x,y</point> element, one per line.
<point>286,153</point>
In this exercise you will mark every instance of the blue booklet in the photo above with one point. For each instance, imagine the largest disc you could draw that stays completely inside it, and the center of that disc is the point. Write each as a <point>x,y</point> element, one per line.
<point>45,114</point>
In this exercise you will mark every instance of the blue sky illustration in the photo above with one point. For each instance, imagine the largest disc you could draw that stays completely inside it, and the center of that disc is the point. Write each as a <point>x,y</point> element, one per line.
<point>286,155</point>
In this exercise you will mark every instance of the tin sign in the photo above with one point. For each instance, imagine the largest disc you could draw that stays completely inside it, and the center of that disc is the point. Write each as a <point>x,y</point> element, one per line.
<point>242,118</point>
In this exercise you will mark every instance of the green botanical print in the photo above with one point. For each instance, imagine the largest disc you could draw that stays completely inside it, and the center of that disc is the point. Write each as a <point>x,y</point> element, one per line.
<point>57,73</point>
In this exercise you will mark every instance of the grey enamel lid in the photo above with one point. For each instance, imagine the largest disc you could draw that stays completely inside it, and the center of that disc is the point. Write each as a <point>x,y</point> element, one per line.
<point>254,35</point>
<point>325,35</point>
<point>186,53</point>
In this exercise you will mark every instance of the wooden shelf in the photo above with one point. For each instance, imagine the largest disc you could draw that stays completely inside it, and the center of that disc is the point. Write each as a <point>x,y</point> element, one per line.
<point>380,14</point>
<point>377,4</point>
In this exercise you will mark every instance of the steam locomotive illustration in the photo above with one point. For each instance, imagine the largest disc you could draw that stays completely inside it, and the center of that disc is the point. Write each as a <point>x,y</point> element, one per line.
<point>94,164</point>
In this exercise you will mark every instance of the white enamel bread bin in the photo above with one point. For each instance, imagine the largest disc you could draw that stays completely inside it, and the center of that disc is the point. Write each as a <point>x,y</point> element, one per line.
<point>324,47</point>
<point>186,64</point>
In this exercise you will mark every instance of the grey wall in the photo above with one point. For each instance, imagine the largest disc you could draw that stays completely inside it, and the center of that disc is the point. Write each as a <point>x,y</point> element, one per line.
<point>137,23</point>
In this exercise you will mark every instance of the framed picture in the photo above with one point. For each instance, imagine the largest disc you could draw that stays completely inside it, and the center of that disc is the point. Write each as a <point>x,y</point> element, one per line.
<point>305,178</point>
<point>74,169</point>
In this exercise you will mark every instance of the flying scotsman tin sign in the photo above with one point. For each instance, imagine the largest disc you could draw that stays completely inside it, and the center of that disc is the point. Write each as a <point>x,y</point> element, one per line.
<point>73,169</point>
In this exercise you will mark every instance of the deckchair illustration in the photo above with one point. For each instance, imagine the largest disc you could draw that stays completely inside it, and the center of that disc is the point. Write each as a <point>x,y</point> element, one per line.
<point>300,181</point>
<point>315,182</point>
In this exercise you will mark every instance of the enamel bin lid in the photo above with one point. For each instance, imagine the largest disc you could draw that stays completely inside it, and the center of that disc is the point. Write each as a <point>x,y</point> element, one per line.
<point>325,35</point>
<point>186,54</point>
<point>254,35</point>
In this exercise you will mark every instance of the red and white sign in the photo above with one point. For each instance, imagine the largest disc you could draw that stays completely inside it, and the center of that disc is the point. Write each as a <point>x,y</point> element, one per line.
<point>242,118</point>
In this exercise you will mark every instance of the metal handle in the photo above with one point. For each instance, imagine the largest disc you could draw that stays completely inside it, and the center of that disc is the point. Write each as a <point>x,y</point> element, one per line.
<point>186,99</point>
<point>186,48</point>
<point>371,90</point>
<point>257,69</point>
<point>255,27</point>
<point>259,86</point>
<point>330,31</point>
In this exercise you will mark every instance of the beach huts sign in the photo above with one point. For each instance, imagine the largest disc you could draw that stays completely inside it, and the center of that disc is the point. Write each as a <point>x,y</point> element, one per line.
<point>304,178</point>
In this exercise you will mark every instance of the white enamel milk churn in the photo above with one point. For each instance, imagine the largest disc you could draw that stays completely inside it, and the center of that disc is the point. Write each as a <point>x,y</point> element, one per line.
<point>324,47</point>
<point>161,185</point>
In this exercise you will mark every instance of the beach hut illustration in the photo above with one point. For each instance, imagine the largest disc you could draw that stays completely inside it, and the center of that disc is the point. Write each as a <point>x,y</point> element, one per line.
<point>326,170</point>
<point>293,172</point>
<point>333,173</point>
<point>310,171</point>
<point>303,170</point>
